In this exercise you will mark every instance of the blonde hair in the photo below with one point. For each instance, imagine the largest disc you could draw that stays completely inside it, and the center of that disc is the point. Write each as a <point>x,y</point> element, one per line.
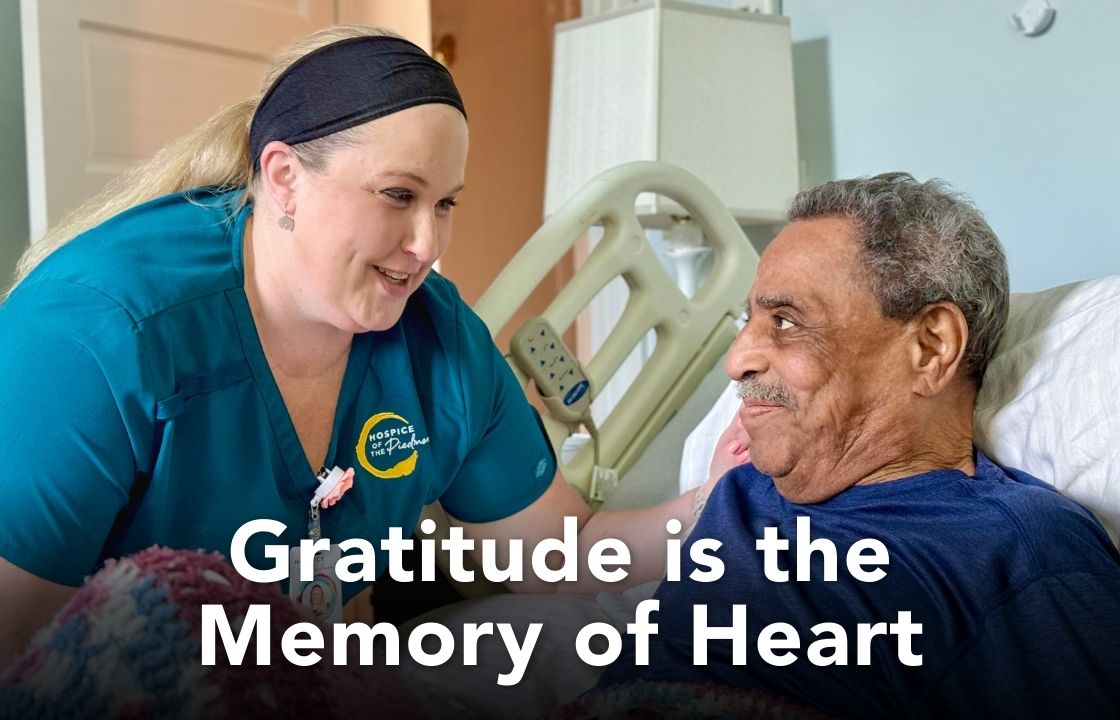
<point>215,153</point>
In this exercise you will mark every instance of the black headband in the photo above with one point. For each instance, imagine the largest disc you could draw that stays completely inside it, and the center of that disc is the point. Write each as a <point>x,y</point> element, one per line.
<point>345,84</point>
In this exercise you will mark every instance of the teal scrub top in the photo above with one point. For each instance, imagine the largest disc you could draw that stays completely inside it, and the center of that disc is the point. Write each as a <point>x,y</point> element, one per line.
<point>137,406</point>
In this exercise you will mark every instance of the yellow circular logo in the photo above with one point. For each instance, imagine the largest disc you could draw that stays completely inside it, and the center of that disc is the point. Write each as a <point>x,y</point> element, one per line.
<point>388,446</point>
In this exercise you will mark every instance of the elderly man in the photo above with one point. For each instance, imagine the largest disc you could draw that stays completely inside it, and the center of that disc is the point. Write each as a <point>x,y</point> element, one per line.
<point>937,584</point>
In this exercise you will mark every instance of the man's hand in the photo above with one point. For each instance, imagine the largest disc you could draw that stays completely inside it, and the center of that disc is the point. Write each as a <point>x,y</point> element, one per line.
<point>732,449</point>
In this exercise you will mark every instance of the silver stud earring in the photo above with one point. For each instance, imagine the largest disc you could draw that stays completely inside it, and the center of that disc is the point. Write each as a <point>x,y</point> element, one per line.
<point>286,223</point>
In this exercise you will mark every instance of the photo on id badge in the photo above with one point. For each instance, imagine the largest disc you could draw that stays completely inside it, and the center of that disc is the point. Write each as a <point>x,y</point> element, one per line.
<point>322,594</point>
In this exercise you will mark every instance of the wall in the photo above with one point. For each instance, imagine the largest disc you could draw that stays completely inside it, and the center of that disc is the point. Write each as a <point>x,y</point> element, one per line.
<point>503,68</point>
<point>412,19</point>
<point>13,154</point>
<point>947,88</point>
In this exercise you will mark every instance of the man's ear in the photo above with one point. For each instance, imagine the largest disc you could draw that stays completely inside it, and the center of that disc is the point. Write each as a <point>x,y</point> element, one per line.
<point>937,346</point>
<point>280,168</point>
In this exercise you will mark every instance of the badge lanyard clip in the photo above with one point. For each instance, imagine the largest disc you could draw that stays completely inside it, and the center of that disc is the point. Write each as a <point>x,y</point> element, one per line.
<point>313,530</point>
<point>328,481</point>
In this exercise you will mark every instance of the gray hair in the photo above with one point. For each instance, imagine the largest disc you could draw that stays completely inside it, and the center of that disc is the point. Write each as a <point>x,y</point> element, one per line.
<point>922,243</point>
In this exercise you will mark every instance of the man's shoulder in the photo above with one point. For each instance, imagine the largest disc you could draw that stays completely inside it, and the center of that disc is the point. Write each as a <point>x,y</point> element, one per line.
<point>1008,516</point>
<point>1006,520</point>
<point>1036,508</point>
<point>997,507</point>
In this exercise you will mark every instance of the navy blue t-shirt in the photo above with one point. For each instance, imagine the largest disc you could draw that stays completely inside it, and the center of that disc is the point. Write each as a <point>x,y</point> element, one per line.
<point>1016,587</point>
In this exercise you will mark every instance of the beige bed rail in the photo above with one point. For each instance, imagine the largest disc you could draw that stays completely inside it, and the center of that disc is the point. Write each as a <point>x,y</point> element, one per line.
<point>692,333</point>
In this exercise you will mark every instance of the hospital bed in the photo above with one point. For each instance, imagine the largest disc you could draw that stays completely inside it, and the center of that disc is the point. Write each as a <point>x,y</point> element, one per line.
<point>692,333</point>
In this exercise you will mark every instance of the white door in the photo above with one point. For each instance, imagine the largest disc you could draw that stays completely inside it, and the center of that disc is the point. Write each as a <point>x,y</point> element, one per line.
<point>109,82</point>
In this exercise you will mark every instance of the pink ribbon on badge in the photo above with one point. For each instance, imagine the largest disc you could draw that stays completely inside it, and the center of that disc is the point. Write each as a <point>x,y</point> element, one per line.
<point>334,486</point>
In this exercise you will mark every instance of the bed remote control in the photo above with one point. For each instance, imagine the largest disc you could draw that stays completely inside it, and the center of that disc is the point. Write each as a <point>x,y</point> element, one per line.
<point>541,354</point>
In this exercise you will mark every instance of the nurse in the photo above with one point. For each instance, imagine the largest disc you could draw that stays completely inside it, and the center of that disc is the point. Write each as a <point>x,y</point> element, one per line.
<point>185,351</point>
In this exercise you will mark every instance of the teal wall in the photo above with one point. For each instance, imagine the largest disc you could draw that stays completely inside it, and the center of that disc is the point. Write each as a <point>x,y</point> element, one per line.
<point>13,158</point>
<point>1029,127</point>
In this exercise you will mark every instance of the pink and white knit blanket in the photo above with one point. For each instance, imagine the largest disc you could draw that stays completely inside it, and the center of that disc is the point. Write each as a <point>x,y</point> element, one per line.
<point>127,645</point>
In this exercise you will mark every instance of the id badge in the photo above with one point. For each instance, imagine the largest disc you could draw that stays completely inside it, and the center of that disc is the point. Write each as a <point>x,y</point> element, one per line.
<point>322,594</point>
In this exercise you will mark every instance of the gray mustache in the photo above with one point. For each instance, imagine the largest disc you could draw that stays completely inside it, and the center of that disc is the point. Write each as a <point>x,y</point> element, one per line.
<point>753,389</point>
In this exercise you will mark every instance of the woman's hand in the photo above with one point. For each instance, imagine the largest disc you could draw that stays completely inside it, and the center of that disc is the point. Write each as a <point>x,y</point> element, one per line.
<point>642,531</point>
<point>732,449</point>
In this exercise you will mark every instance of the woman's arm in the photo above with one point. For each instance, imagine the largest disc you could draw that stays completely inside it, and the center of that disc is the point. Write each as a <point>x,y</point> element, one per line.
<point>29,602</point>
<point>642,531</point>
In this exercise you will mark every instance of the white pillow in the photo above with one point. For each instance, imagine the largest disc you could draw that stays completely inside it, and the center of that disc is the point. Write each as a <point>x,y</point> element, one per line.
<point>1050,404</point>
